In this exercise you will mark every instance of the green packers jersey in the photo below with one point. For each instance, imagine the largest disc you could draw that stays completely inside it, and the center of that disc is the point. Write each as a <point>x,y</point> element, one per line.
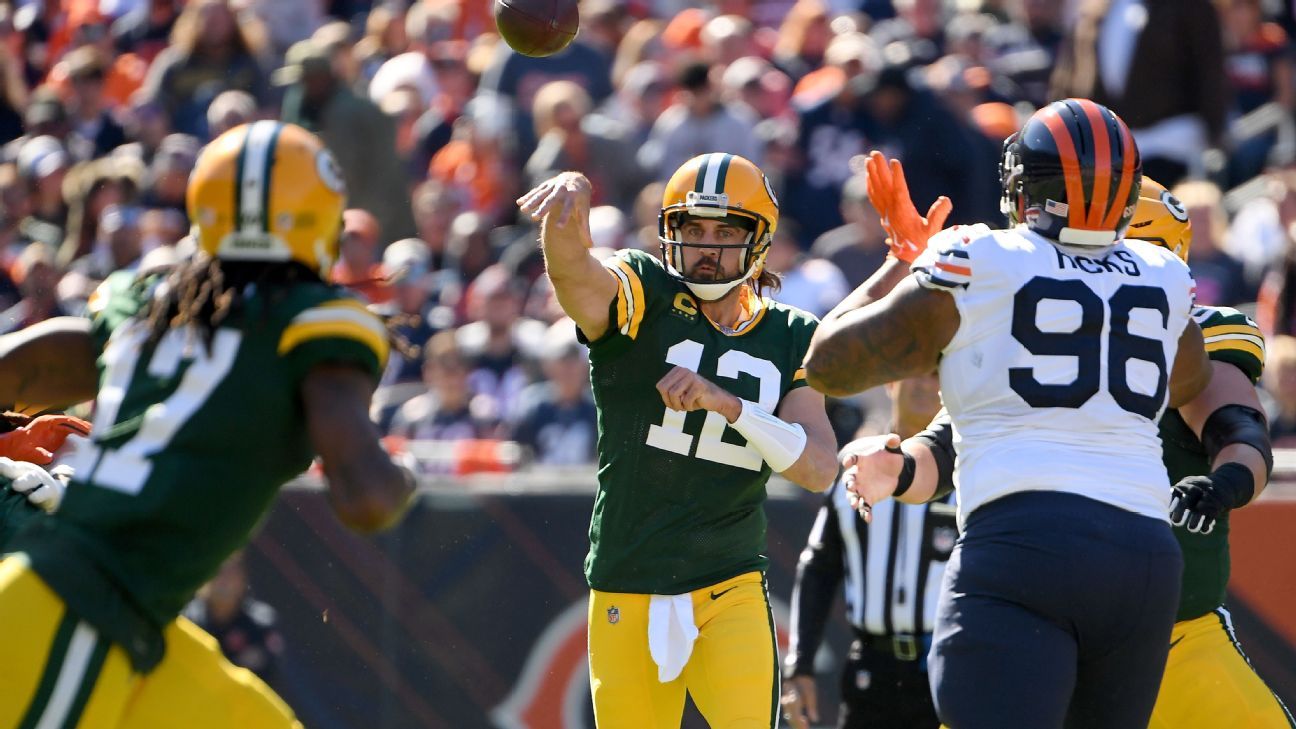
<point>192,440</point>
<point>1230,337</point>
<point>680,502</point>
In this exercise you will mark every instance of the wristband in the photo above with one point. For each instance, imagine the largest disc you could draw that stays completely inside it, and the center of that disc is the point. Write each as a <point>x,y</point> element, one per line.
<point>1234,484</point>
<point>906,477</point>
<point>779,442</point>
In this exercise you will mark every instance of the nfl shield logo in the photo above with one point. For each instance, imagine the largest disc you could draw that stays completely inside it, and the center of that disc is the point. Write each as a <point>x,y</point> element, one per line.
<point>614,615</point>
<point>863,679</point>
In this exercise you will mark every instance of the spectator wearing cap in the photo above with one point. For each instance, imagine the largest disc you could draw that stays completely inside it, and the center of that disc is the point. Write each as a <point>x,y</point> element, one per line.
<point>359,134</point>
<point>499,343</point>
<point>230,109</point>
<point>357,267</point>
<point>556,417</point>
<point>46,115</point>
<point>37,278</point>
<point>211,51</point>
<point>857,246</point>
<point>448,409</point>
<point>699,122</point>
<point>94,131</point>
<point>168,174</point>
<point>335,38</point>
<point>43,165</point>
<point>410,283</point>
<point>571,138</point>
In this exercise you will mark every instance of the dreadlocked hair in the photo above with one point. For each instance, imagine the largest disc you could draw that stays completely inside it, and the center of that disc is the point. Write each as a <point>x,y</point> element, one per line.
<point>205,291</point>
<point>767,281</point>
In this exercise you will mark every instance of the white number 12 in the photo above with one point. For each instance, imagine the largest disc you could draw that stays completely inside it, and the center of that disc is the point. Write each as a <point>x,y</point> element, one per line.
<point>670,435</point>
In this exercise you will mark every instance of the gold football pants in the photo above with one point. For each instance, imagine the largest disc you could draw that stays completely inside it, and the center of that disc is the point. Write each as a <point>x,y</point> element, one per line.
<point>60,672</point>
<point>731,674</point>
<point>1209,683</point>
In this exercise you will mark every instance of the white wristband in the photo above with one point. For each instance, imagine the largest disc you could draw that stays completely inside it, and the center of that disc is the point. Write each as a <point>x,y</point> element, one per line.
<point>779,442</point>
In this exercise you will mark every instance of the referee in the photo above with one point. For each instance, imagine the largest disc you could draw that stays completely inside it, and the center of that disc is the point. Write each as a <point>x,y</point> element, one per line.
<point>892,572</point>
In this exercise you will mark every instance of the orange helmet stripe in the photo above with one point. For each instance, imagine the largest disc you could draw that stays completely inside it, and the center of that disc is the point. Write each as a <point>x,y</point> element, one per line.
<point>1127,176</point>
<point>1102,164</point>
<point>1070,166</point>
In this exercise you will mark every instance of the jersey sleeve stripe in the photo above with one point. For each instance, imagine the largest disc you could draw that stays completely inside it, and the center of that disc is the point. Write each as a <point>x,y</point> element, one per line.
<point>1253,338</point>
<point>956,253</point>
<point>336,321</point>
<point>932,281</point>
<point>799,375</point>
<point>1236,344</point>
<point>632,292</point>
<point>1230,329</point>
<point>623,300</point>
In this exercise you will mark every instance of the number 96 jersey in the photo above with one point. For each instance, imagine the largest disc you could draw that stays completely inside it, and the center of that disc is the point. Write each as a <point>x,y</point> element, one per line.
<point>681,495</point>
<point>1061,364</point>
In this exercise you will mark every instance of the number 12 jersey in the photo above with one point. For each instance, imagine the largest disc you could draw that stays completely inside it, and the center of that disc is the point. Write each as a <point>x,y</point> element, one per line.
<point>1060,367</point>
<point>681,495</point>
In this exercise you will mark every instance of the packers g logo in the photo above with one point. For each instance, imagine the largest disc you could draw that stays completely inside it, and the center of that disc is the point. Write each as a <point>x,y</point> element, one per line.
<point>685,306</point>
<point>1173,205</point>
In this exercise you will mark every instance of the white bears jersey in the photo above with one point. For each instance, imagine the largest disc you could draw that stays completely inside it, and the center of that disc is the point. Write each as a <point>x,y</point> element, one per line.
<point>1060,367</point>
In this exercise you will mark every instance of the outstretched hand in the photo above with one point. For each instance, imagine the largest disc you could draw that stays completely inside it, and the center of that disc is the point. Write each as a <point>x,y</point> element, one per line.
<point>907,231</point>
<point>873,466</point>
<point>566,197</point>
<point>37,441</point>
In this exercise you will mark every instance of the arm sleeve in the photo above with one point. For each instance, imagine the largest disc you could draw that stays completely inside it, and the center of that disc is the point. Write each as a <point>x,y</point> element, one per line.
<point>939,439</point>
<point>819,572</point>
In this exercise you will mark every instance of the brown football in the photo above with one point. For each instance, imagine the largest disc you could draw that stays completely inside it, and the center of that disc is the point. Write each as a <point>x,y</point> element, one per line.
<point>537,27</point>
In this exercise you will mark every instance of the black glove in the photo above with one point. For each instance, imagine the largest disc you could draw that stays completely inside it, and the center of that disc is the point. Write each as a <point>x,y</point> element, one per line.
<point>1199,500</point>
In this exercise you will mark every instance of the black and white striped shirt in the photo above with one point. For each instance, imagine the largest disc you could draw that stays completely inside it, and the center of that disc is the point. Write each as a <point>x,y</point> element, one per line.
<point>890,570</point>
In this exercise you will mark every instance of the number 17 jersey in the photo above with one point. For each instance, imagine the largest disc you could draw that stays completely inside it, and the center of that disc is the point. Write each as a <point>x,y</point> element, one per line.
<point>1060,367</point>
<point>680,501</point>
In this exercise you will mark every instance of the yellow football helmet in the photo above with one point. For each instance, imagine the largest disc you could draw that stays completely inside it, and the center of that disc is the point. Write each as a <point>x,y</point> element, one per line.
<point>1160,219</point>
<point>268,191</point>
<point>718,186</point>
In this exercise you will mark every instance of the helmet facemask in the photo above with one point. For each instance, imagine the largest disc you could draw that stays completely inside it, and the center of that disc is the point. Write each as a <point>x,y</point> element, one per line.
<point>752,248</point>
<point>1010,171</point>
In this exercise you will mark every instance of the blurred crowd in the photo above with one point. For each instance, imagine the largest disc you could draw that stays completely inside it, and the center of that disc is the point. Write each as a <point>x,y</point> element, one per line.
<point>438,126</point>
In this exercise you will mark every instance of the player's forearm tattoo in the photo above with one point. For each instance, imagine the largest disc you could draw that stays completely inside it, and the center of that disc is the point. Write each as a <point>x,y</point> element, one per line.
<point>898,337</point>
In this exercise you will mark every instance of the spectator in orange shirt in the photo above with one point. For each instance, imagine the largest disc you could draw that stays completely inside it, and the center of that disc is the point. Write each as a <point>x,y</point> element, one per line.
<point>476,160</point>
<point>357,268</point>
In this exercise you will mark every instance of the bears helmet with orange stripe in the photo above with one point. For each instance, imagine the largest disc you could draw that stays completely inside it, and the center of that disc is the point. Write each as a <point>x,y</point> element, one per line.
<point>1160,219</point>
<point>1072,174</point>
<point>268,192</point>
<point>718,186</point>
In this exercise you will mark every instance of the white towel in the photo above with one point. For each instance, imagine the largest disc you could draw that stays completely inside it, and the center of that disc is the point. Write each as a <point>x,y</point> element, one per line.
<point>671,633</point>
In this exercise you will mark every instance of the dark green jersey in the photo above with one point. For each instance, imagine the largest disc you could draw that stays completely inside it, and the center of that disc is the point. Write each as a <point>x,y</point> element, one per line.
<point>15,511</point>
<point>191,443</point>
<point>1230,337</point>
<point>680,503</point>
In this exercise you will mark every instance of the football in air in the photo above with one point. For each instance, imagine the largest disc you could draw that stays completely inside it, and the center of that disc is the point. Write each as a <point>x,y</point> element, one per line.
<point>537,27</point>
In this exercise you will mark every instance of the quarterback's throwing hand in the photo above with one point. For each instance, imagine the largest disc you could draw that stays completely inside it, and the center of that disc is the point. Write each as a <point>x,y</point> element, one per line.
<point>685,390</point>
<point>566,194</point>
<point>873,466</point>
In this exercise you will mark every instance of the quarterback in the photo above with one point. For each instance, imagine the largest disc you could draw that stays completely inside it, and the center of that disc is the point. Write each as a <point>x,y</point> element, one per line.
<point>213,386</point>
<point>1217,463</point>
<point>1058,345</point>
<point>701,395</point>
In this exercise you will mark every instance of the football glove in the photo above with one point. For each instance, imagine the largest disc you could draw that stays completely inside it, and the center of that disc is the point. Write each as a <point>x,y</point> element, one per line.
<point>907,231</point>
<point>37,441</point>
<point>1199,501</point>
<point>37,484</point>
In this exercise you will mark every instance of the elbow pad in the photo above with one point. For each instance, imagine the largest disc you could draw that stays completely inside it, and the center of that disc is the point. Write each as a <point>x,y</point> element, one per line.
<point>1237,424</point>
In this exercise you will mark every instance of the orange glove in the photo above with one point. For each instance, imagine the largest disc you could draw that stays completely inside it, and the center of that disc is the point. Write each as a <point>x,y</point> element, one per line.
<point>36,441</point>
<point>907,232</point>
